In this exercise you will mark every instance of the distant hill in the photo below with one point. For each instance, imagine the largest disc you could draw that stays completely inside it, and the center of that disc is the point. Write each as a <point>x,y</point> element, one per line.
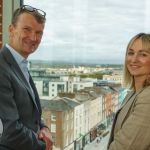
<point>62,64</point>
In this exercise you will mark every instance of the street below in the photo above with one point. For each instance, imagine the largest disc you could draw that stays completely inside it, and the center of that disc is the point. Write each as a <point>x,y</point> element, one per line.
<point>102,145</point>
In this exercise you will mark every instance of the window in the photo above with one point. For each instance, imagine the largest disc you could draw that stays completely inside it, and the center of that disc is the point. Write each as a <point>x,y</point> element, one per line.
<point>76,121</point>
<point>53,117</point>
<point>76,112</point>
<point>80,119</point>
<point>81,34</point>
<point>60,87</point>
<point>67,140</point>
<point>45,88</point>
<point>67,127</point>
<point>53,127</point>
<point>73,36</point>
<point>71,125</point>
<point>76,133</point>
<point>54,139</point>
<point>75,87</point>
<point>67,116</point>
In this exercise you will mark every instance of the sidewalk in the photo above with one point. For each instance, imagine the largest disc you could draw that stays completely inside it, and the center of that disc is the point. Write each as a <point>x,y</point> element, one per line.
<point>101,145</point>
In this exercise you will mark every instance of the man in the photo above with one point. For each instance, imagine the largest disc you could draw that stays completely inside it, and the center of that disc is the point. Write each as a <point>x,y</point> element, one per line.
<point>20,110</point>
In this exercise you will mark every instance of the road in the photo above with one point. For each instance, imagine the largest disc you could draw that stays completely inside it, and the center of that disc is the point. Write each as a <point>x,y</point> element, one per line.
<point>100,146</point>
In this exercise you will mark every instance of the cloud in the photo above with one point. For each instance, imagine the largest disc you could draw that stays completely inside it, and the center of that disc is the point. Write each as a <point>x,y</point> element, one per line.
<point>97,30</point>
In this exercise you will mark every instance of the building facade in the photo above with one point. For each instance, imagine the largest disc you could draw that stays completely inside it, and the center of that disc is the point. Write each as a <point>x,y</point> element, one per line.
<point>113,78</point>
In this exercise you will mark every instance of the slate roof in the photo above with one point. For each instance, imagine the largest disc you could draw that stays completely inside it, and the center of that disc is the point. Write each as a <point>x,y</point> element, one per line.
<point>77,96</point>
<point>60,104</point>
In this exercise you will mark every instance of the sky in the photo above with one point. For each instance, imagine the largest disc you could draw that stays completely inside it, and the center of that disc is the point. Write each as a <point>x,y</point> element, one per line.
<point>90,31</point>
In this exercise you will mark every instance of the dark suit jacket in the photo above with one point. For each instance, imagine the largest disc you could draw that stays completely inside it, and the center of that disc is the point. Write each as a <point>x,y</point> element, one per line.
<point>131,127</point>
<point>20,112</point>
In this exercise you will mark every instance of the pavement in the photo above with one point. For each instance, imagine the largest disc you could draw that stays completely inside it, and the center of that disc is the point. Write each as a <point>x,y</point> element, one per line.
<point>102,145</point>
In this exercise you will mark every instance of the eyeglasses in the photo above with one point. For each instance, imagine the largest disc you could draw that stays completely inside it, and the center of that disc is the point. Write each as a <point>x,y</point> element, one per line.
<point>32,9</point>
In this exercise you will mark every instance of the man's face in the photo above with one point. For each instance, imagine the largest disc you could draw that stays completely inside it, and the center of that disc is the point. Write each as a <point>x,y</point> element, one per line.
<point>26,36</point>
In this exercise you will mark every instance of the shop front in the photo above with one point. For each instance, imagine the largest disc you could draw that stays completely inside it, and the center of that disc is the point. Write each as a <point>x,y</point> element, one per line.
<point>86,139</point>
<point>93,133</point>
<point>78,144</point>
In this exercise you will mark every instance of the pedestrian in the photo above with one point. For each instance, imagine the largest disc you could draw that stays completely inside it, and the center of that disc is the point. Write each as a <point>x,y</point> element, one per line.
<point>98,141</point>
<point>96,144</point>
<point>20,111</point>
<point>131,126</point>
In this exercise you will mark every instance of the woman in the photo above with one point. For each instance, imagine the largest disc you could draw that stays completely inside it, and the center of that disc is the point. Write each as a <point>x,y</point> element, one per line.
<point>131,127</point>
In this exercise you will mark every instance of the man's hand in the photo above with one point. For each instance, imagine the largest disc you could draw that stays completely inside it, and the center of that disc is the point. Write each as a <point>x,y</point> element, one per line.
<point>45,135</point>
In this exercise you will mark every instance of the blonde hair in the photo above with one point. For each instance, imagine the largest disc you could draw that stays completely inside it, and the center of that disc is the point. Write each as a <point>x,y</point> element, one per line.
<point>128,80</point>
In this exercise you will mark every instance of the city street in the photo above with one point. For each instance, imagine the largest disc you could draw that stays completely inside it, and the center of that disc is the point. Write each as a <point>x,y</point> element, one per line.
<point>99,146</point>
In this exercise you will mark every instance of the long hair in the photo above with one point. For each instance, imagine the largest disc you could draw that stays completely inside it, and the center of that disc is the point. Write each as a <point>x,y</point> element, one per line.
<point>128,80</point>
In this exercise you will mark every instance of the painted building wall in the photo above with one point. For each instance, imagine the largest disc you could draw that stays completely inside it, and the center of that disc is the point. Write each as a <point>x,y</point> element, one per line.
<point>6,8</point>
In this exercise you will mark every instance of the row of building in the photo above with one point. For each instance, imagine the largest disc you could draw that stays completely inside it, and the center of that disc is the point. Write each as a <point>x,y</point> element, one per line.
<point>50,85</point>
<point>76,110</point>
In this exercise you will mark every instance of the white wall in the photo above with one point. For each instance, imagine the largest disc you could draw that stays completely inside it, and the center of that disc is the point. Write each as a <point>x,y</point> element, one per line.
<point>78,121</point>
<point>39,86</point>
<point>8,7</point>
<point>53,88</point>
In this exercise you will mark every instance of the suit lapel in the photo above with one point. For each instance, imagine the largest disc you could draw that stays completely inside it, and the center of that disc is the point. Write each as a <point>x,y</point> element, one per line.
<point>16,69</point>
<point>36,96</point>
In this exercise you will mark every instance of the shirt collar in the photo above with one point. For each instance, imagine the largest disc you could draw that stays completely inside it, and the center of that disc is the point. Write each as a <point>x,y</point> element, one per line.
<point>16,55</point>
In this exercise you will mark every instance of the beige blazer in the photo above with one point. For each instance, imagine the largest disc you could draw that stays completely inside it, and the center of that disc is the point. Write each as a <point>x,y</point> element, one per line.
<point>131,127</point>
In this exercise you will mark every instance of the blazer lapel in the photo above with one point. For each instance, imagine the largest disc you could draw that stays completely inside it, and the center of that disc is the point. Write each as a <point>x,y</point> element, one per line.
<point>22,78</point>
<point>35,93</point>
<point>125,107</point>
<point>16,69</point>
<point>127,98</point>
<point>125,110</point>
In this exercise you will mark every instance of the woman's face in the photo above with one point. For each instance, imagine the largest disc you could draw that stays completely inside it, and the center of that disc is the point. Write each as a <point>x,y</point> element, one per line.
<point>138,60</point>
